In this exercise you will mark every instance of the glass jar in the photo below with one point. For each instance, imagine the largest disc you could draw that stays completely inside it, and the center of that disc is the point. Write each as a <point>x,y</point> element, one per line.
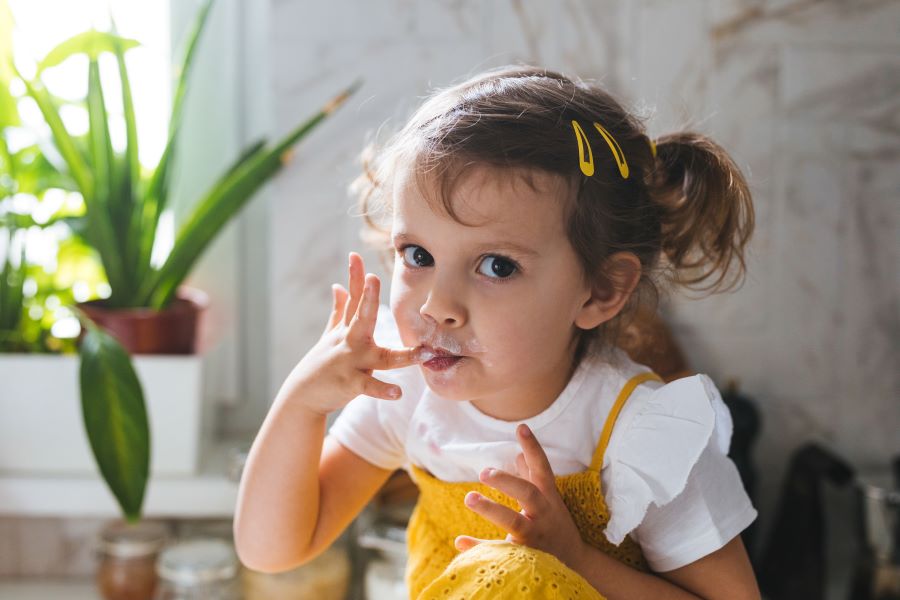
<point>127,556</point>
<point>198,569</point>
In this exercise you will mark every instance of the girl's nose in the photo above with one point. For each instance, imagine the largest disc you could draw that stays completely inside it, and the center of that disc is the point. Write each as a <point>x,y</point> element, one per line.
<point>443,308</point>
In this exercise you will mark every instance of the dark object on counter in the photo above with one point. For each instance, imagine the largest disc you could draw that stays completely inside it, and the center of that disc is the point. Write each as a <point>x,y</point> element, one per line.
<point>876,573</point>
<point>793,563</point>
<point>746,420</point>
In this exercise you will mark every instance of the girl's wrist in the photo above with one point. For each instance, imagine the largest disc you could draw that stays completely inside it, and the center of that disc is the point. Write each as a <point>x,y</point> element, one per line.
<point>578,558</point>
<point>302,406</point>
<point>308,392</point>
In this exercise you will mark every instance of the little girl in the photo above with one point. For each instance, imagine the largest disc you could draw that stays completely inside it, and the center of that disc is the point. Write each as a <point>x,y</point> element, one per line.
<point>528,216</point>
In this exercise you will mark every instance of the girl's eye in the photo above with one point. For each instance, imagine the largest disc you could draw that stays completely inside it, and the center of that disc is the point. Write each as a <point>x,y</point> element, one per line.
<point>497,267</point>
<point>416,256</point>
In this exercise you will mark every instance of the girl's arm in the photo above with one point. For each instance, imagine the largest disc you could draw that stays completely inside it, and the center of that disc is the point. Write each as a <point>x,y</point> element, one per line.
<point>725,574</point>
<point>296,497</point>
<point>292,505</point>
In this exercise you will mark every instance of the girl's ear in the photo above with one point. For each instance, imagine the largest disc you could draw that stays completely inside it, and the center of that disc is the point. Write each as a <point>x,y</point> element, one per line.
<point>621,274</point>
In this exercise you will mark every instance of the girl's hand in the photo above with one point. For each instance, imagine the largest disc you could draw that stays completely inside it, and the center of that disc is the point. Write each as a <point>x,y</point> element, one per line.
<point>544,521</point>
<point>339,367</point>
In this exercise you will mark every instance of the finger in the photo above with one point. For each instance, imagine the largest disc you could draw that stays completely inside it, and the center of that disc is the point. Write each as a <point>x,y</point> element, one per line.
<point>528,495</point>
<point>522,466</point>
<point>396,358</point>
<point>502,516</point>
<point>380,389</point>
<point>362,325</point>
<point>355,282</point>
<point>339,297</point>
<point>539,469</point>
<point>464,542</point>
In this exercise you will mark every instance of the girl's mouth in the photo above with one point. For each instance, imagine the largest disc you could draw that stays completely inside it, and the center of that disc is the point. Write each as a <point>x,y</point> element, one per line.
<point>441,359</point>
<point>441,363</point>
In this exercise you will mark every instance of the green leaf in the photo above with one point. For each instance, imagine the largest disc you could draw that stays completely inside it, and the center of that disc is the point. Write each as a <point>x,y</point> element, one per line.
<point>158,186</point>
<point>9,113</point>
<point>114,208</point>
<point>65,143</point>
<point>115,419</point>
<point>102,235</point>
<point>34,174</point>
<point>98,131</point>
<point>226,198</point>
<point>13,221</point>
<point>12,280</point>
<point>92,43</point>
<point>186,64</point>
<point>129,186</point>
<point>157,194</point>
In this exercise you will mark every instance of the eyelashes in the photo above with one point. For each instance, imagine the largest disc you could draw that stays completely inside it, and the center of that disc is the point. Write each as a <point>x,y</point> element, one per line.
<point>418,254</point>
<point>499,268</point>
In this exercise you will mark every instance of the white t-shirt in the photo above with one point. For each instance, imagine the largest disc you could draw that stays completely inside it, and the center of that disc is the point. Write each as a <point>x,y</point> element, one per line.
<point>666,477</point>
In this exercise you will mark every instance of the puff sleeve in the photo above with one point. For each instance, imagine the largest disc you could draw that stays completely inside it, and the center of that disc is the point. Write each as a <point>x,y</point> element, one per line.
<point>669,481</point>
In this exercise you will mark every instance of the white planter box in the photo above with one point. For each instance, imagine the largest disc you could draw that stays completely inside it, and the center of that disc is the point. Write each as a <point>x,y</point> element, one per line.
<point>41,424</point>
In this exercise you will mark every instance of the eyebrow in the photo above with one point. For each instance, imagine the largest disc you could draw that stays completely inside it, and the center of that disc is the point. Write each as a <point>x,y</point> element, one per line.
<point>501,245</point>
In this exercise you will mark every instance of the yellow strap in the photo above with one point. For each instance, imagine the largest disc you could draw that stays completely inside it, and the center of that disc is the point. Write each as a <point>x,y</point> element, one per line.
<point>635,381</point>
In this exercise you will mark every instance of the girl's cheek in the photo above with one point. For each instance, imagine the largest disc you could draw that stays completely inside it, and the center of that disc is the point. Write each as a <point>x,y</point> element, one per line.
<point>402,304</point>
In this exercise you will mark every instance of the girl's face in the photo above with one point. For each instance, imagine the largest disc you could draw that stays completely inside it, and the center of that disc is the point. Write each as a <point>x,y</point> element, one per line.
<point>501,297</point>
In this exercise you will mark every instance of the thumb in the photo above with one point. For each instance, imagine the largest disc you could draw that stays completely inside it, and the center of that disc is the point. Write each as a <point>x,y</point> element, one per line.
<point>465,542</point>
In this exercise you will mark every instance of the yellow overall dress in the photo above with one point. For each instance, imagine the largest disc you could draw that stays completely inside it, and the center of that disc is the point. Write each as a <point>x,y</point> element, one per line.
<point>504,569</point>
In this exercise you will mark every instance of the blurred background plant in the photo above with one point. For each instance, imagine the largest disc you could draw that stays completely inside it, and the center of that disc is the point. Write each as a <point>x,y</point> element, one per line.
<point>44,263</point>
<point>85,174</point>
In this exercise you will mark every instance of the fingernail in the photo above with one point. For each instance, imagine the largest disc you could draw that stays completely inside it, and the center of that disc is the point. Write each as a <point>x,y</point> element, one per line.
<point>524,430</point>
<point>424,354</point>
<point>394,392</point>
<point>489,472</point>
<point>472,498</point>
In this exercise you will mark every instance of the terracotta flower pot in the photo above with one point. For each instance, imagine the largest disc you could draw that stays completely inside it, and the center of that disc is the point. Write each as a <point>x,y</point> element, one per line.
<point>147,331</point>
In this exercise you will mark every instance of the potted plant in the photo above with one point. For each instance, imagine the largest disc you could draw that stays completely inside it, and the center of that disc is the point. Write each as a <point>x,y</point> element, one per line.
<point>123,207</point>
<point>25,175</point>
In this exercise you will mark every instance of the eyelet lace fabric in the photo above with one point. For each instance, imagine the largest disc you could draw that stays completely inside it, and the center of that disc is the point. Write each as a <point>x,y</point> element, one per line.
<point>437,570</point>
<point>510,570</point>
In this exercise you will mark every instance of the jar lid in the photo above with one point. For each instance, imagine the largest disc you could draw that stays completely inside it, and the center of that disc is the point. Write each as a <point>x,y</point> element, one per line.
<point>199,560</point>
<point>132,540</point>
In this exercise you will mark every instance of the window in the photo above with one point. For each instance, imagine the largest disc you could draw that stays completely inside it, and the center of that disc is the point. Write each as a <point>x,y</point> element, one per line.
<point>221,115</point>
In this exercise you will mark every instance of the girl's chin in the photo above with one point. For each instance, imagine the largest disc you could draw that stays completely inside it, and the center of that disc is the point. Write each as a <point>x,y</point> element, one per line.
<point>448,379</point>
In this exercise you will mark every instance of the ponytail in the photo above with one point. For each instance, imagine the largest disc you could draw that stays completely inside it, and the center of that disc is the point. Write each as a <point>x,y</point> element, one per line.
<point>707,212</point>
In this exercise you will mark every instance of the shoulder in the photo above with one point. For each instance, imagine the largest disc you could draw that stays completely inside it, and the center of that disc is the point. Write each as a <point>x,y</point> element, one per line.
<point>657,440</point>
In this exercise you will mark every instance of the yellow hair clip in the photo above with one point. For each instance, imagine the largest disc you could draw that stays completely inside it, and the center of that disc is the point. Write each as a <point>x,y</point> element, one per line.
<point>652,147</point>
<point>616,150</point>
<point>587,166</point>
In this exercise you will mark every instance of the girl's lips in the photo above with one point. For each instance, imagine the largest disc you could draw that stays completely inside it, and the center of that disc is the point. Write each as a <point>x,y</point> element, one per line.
<point>441,363</point>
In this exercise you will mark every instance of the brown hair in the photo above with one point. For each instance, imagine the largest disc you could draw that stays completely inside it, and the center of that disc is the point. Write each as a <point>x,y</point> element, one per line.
<point>686,212</point>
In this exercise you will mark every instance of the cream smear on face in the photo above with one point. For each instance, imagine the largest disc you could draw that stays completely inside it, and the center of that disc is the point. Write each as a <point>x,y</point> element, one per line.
<point>425,331</point>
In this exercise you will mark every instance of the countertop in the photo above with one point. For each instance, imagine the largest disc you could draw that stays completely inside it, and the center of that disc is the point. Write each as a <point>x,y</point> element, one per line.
<point>36,589</point>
